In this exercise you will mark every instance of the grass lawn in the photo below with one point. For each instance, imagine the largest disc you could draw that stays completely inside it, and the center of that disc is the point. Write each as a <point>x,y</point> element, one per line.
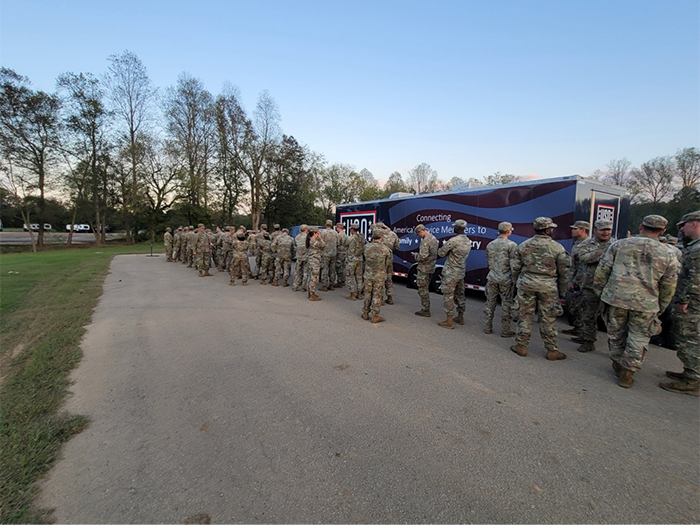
<point>46,300</point>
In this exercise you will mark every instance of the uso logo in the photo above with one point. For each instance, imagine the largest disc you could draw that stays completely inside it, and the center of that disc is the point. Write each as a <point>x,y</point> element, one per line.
<point>366,219</point>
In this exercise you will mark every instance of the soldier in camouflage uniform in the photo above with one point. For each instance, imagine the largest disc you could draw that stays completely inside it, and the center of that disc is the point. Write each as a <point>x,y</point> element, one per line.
<point>267,258</point>
<point>224,244</point>
<point>283,248</point>
<point>239,266</point>
<point>499,281</point>
<point>589,253</point>
<point>314,255</point>
<point>201,251</point>
<point>276,231</point>
<point>330,238</point>
<point>425,257</point>
<point>190,238</point>
<point>391,241</point>
<point>341,255</point>
<point>673,244</point>
<point>301,274</point>
<point>168,244</point>
<point>176,244</point>
<point>377,255</point>
<point>541,270</point>
<point>456,250</point>
<point>212,248</point>
<point>258,254</point>
<point>356,245</point>
<point>686,314</point>
<point>636,279</point>
<point>579,232</point>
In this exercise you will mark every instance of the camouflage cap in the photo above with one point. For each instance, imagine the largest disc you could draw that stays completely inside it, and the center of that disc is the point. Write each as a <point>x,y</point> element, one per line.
<point>504,227</point>
<point>340,225</point>
<point>377,233</point>
<point>329,222</point>
<point>303,227</point>
<point>655,221</point>
<point>379,224</point>
<point>602,224</point>
<point>663,239</point>
<point>460,223</point>
<point>584,225</point>
<point>241,227</point>
<point>191,227</point>
<point>276,226</point>
<point>168,229</point>
<point>672,240</point>
<point>285,230</point>
<point>313,229</point>
<point>419,228</point>
<point>200,225</point>
<point>179,228</point>
<point>692,216</point>
<point>263,226</point>
<point>542,223</point>
<point>355,224</point>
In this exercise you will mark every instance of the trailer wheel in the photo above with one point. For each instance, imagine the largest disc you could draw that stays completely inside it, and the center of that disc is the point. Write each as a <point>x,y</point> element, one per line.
<point>436,281</point>
<point>412,275</point>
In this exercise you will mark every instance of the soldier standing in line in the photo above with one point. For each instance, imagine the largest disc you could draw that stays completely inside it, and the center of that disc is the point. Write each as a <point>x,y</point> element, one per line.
<point>190,237</point>
<point>636,279</point>
<point>301,269</point>
<point>376,256</point>
<point>168,243</point>
<point>212,249</point>
<point>201,251</point>
<point>239,265</point>
<point>314,252</point>
<point>540,269</point>
<point>391,241</point>
<point>224,244</point>
<point>276,231</point>
<point>456,250</point>
<point>267,260</point>
<point>250,237</point>
<point>579,232</point>
<point>283,248</point>
<point>356,245</point>
<point>686,314</point>
<point>589,254</point>
<point>499,281</point>
<point>341,255</point>
<point>176,241</point>
<point>425,257</point>
<point>258,254</point>
<point>330,238</point>
<point>673,243</point>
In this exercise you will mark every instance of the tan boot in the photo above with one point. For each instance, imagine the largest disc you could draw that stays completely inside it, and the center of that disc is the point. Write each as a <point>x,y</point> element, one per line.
<point>626,379</point>
<point>554,355</point>
<point>423,313</point>
<point>507,333</point>
<point>447,323</point>
<point>376,319</point>
<point>687,386</point>
<point>587,346</point>
<point>285,283</point>
<point>519,349</point>
<point>201,273</point>
<point>460,318</point>
<point>323,289</point>
<point>389,299</point>
<point>274,283</point>
<point>314,297</point>
<point>365,316</point>
<point>351,297</point>
<point>232,283</point>
<point>675,375</point>
<point>207,274</point>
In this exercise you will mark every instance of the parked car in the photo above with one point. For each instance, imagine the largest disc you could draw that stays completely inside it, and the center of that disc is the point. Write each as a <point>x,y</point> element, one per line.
<point>35,227</point>
<point>81,228</point>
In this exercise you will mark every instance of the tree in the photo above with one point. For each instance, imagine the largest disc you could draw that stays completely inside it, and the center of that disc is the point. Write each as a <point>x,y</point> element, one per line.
<point>617,172</point>
<point>688,167</point>
<point>654,179</point>
<point>132,97</point>
<point>16,187</point>
<point>395,184</point>
<point>423,179</point>
<point>498,179</point>
<point>455,181</point>
<point>29,134</point>
<point>338,183</point>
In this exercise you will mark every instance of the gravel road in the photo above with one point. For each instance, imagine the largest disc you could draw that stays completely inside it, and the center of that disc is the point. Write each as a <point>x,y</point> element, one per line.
<point>252,404</point>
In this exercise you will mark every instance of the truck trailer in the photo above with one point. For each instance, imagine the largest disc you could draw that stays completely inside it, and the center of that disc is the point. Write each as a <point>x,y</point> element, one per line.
<point>564,199</point>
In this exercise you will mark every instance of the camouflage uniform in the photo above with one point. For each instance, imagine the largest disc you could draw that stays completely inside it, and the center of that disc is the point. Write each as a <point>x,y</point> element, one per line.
<point>377,255</point>
<point>225,244</point>
<point>341,256</point>
<point>283,247</point>
<point>391,241</point>
<point>589,254</point>
<point>330,238</point>
<point>168,243</point>
<point>202,251</point>
<point>636,279</point>
<point>267,260</point>
<point>189,246</point>
<point>540,269</point>
<point>426,257</point>
<point>356,245</point>
<point>301,274</point>
<point>314,259</point>
<point>239,265</point>
<point>177,239</point>
<point>499,281</point>
<point>258,254</point>
<point>456,250</point>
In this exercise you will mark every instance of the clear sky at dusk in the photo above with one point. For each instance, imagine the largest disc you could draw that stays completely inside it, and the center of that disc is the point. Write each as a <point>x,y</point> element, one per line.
<point>470,87</point>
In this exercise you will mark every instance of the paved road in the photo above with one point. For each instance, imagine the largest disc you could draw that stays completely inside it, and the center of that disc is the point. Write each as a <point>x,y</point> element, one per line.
<point>252,404</point>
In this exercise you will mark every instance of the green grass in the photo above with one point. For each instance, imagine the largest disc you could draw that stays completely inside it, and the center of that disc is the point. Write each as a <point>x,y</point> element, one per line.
<point>46,300</point>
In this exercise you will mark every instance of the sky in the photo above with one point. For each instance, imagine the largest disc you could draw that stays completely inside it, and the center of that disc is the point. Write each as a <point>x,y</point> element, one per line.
<point>545,88</point>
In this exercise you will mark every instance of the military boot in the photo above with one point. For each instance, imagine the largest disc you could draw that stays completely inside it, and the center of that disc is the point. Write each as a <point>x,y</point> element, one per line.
<point>274,283</point>
<point>365,316</point>
<point>675,375</point>
<point>626,378</point>
<point>686,386</point>
<point>295,289</point>
<point>323,289</point>
<point>201,273</point>
<point>232,282</point>
<point>285,284</point>
<point>447,323</point>
<point>587,346</point>
<point>507,332</point>
<point>389,299</point>
<point>314,297</point>
<point>460,318</point>
<point>519,349</point>
<point>207,274</point>
<point>554,355</point>
<point>575,331</point>
<point>488,329</point>
<point>351,297</point>
<point>423,313</point>
<point>331,288</point>
<point>580,340</point>
<point>376,319</point>
<point>263,281</point>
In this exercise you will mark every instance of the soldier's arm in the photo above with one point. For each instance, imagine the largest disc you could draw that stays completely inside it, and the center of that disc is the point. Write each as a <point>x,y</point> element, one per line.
<point>591,253</point>
<point>689,279</point>
<point>563,265</point>
<point>602,273</point>
<point>516,264</point>
<point>667,284</point>
<point>445,248</point>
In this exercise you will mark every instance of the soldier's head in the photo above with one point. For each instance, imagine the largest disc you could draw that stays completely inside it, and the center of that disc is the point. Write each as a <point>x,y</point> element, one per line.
<point>191,228</point>
<point>421,231</point>
<point>200,227</point>
<point>240,235</point>
<point>663,239</point>
<point>329,224</point>
<point>285,231</point>
<point>267,236</point>
<point>304,228</point>
<point>276,226</point>
<point>602,230</point>
<point>340,227</point>
<point>673,241</point>
<point>179,229</point>
<point>653,225</point>
<point>263,227</point>
<point>580,229</point>
<point>377,234</point>
<point>168,230</point>
<point>459,226</point>
<point>689,226</point>
<point>543,225</point>
<point>505,229</point>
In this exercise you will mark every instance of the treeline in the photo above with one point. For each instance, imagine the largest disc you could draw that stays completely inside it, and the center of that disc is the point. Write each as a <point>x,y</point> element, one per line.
<point>115,150</point>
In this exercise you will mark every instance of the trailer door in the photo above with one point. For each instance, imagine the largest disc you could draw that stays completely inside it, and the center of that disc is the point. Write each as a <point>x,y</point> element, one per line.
<point>606,206</point>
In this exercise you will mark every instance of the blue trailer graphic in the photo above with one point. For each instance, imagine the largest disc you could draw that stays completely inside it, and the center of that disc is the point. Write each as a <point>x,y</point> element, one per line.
<point>564,199</point>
